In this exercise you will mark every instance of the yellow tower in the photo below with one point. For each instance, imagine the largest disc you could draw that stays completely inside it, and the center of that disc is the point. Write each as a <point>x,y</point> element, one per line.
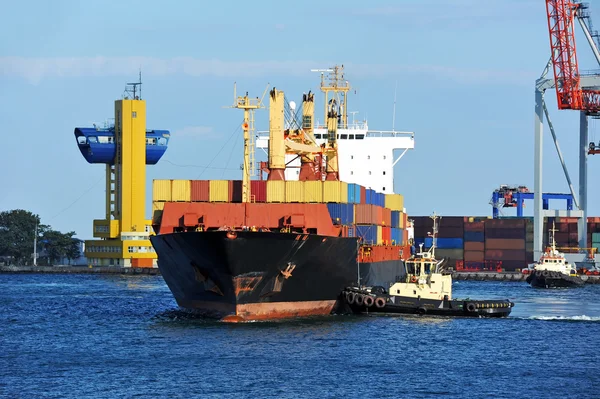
<point>122,238</point>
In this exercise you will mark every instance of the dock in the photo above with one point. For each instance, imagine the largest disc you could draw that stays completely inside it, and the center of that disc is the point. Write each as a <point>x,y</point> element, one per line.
<point>80,270</point>
<point>507,276</point>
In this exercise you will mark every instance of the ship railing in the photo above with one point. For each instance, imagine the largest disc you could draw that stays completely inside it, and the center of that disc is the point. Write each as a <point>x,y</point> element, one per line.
<point>264,134</point>
<point>577,250</point>
<point>469,266</point>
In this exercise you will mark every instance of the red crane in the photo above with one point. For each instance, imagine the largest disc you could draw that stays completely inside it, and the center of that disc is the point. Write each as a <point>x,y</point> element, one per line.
<point>570,95</point>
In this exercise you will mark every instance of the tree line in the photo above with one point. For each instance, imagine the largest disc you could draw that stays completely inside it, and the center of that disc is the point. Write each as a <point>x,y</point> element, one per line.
<point>17,232</point>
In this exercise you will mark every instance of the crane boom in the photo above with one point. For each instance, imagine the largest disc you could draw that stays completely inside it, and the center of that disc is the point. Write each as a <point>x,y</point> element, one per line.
<point>570,95</point>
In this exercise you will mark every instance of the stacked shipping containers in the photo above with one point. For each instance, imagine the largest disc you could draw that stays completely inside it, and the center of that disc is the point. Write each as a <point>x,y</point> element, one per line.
<point>377,218</point>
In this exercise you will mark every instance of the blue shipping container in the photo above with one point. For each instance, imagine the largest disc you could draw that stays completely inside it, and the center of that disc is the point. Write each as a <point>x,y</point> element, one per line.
<point>368,233</point>
<point>445,243</point>
<point>353,193</point>
<point>395,218</point>
<point>474,236</point>
<point>396,236</point>
<point>341,213</point>
<point>381,199</point>
<point>370,197</point>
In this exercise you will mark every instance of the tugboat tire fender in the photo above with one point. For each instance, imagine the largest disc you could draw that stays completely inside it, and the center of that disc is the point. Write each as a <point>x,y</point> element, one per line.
<point>471,307</point>
<point>350,297</point>
<point>413,279</point>
<point>380,302</point>
<point>369,301</point>
<point>421,310</point>
<point>545,273</point>
<point>359,299</point>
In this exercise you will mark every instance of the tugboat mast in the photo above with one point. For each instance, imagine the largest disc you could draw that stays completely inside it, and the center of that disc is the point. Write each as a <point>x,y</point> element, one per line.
<point>435,218</point>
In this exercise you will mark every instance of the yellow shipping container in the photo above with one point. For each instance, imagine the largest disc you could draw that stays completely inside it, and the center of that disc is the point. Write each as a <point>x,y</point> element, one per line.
<point>294,191</point>
<point>181,190</point>
<point>161,190</point>
<point>395,202</point>
<point>157,210</point>
<point>379,235</point>
<point>332,191</point>
<point>401,223</point>
<point>218,191</point>
<point>313,191</point>
<point>343,192</point>
<point>275,191</point>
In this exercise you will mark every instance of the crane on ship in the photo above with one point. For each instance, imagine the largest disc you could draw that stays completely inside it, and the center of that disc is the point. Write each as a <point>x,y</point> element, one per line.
<point>573,91</point>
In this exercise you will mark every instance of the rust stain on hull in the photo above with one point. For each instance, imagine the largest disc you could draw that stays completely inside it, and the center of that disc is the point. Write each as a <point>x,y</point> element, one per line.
<point>245,284</point>
<point>282,310</point>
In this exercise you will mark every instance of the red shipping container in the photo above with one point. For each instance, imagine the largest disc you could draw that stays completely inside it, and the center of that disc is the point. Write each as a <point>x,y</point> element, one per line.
<point>504,223</point>
<point>475,226</point>
<point>504,254</point>
<point>363,195</point>
<point>474,246</point>
<point>386,235</point>
<point>450,232</point>
<point>258,190</point>
<point>200,190</point>
<point>451,221</point>
<point>368,214</point>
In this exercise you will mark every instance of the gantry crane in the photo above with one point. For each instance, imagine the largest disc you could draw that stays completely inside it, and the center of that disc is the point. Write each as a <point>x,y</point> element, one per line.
<point>574,91</point>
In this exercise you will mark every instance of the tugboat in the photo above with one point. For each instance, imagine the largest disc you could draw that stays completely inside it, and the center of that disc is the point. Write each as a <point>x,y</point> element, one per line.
<point>426,289</point>
<point>552,270</point>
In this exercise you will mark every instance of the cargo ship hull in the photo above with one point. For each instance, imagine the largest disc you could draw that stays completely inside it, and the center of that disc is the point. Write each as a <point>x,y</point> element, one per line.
<point>245,275</point>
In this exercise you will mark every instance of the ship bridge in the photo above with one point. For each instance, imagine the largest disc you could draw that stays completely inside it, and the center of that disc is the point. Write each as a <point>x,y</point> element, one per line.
<point>366,157</point>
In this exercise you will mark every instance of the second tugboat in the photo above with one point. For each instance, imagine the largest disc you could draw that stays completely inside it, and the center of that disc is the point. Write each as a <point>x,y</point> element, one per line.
<point>553,270</point>
<point>425,289</point>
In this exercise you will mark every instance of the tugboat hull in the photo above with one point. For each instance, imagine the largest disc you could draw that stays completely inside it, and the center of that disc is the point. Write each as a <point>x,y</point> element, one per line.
<point>549,279</point>
<point>363,301</point>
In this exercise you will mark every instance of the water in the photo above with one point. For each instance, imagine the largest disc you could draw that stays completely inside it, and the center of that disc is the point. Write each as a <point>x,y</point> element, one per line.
<point>91,336</point>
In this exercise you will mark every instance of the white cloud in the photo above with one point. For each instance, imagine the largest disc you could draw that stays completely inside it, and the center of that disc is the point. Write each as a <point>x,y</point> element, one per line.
<point>36,69</point>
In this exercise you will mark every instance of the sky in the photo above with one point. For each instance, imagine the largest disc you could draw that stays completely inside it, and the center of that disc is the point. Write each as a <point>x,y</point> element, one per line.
<point>465,72</point>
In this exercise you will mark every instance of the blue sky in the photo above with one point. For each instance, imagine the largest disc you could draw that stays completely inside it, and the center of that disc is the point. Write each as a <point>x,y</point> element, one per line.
<point>465,71</point>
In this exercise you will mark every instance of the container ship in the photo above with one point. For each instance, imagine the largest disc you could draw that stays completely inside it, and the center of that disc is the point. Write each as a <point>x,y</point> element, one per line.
<point>325,217</point>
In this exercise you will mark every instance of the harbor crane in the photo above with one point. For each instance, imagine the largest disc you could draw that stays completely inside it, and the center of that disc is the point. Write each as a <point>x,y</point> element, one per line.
<point>574,91</point>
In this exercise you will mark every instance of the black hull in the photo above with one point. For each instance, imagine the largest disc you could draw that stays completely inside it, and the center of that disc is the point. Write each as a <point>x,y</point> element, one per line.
<point>262,275</point>
<point>547,279</point>
<point>390,304</point>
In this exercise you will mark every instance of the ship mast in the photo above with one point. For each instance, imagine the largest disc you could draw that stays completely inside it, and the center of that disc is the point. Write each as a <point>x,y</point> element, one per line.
<point>248,105</point>
<point>435,218</point>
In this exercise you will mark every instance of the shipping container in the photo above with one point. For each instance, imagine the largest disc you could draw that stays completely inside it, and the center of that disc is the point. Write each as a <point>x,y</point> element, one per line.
<point>404,220</point>
<point>452,254</point>
<point>370,196</point>
<point>595,237</point>
<point>275,191</point>
<point>379,235</point>
<point>475,236</point>
<point>341,213</point>
<point>504,243</point>
<point>505,254</point>
<point>396,219</point>
<point>396,236</point>
<point>235,191</point>
<point>157,210</point>
<point>394,201</point>
<point>258,190</point>
<point>181,191</point>
<point>313,191</point>
<point>363,195</point>
<point>367,233</point>
<point>475,226</point>
<point>517,233</point>
<point>219,191</point>
<point>354,193</point>
<point>161,190</point>
<point>504,224</point>
<point>386,234</point>
<point>367,214</point>
<point>452,221</point>
<point>294,191</point>
<point>343,192</point>
<point>450,232</point>
<point>474,246</point>
<point>332,191</point>
<point>200,190</point>
<point>386,217</point>
<point>474,256</point>
<point>445,243</point>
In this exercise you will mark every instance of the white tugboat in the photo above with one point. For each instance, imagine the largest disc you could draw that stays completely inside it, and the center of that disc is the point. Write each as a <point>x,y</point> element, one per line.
<point>425,289</point>
<point>552,270</point>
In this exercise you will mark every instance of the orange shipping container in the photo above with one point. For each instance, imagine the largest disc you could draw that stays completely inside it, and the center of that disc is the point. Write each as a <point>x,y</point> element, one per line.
<point>386,235</point>
<point>473,256</point>
<point>504,243</point>
<point>367,214</point>
<point>386,216</point>
<point>474,246</point>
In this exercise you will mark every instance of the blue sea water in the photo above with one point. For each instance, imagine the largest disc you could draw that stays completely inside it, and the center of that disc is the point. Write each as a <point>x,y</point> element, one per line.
<point>93,336</point>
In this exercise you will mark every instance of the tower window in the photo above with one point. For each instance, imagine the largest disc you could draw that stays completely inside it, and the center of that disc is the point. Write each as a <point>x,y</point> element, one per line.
<point>384,172</point>
<point>134,114</point>
<point>383,189</point>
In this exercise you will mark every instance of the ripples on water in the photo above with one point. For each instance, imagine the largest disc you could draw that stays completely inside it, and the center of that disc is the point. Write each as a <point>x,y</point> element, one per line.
<point>90,336</point>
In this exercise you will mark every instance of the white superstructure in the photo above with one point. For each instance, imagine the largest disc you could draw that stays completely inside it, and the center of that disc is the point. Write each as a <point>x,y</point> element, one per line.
<point>366,157</point>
